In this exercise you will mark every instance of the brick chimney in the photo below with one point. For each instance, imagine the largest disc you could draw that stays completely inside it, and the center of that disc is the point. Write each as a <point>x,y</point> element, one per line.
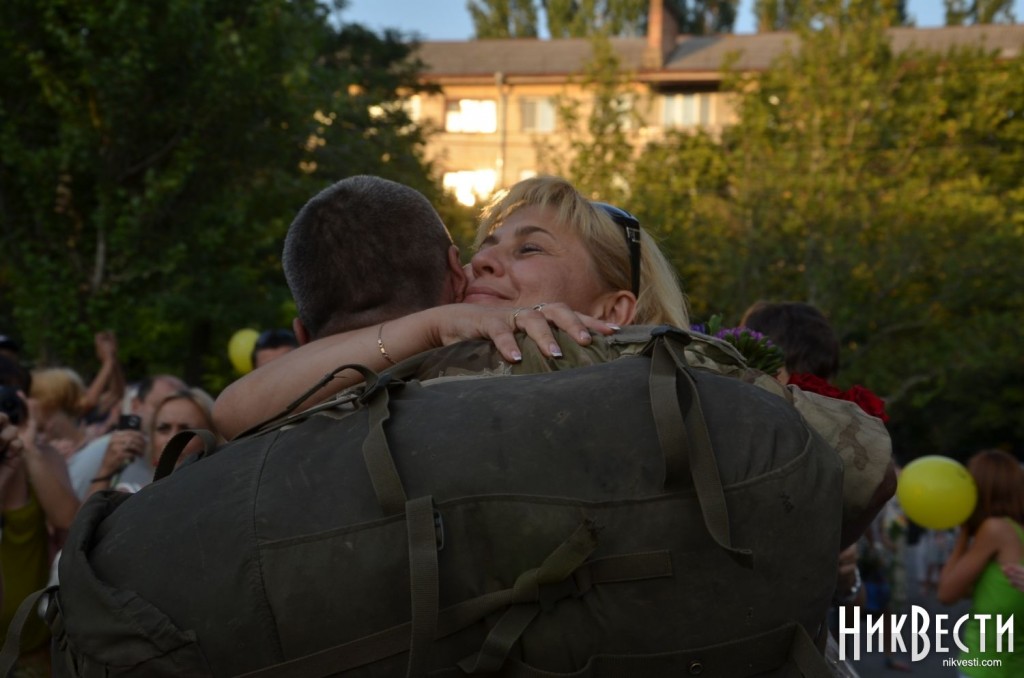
<point>662,31</point>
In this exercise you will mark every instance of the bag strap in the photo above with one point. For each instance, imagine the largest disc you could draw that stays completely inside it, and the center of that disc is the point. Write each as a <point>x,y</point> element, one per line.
<point>380,464</point>
<point>176,445</point>
<point>11,649</point>
<point>557,567</point>
<point>685,442</point>
<point>424,585</point>
<point>395,640</point>
<point>758,655</point>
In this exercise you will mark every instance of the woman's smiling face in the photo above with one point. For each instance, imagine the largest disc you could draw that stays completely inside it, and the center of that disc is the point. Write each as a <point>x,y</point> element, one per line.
<point>532,259</point>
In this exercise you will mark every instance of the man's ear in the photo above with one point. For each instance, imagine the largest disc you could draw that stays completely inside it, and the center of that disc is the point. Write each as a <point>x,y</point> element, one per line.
<point>455,288</point>
<point>617,308</point>
<point>300,332</point>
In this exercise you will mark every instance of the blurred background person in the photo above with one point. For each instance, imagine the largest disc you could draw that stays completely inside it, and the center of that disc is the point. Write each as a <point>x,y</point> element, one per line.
<point>810,351</point>
<point>188,409</point>
<point>101,403</point>
<point>9,348</point>
<point>272,344</point>
<point>58,393</point>
<point>123,455</point>
<point>37,504</point>
<point>992,538</point>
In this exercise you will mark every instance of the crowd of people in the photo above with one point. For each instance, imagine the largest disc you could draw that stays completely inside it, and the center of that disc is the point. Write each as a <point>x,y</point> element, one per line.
<point>553,276</point>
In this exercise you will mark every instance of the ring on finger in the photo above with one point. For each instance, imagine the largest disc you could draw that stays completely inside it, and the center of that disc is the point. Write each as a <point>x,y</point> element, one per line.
<point>515,314</point>
<point>540,306</point>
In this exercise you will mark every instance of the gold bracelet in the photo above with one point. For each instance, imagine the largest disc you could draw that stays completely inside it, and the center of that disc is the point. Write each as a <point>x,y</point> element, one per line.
<point>380,345</point>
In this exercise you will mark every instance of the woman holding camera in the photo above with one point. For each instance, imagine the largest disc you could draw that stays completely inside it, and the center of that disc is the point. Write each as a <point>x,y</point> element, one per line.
<point>35,497</point>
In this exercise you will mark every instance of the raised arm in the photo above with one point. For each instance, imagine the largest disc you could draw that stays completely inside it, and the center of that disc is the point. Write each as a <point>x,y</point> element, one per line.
<point>266,392</point>
<point>109,379</point>
<point>48,475</point>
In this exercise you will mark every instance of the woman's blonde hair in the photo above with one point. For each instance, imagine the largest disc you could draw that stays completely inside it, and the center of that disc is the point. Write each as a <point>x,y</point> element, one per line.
<point>660,301</point>
<point>58,389</point>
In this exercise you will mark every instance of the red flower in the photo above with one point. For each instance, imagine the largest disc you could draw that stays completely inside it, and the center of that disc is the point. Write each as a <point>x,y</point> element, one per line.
<point>867,400</point>
<point>814,384</point>
<point>863,397</point>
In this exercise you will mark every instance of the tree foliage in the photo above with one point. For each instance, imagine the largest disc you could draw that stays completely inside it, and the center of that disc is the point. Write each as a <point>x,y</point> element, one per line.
<point>503,18</point>
<point>962,12</point>
<point>585,18</point>
<point>787,15</point>
<point>886,189</point>
<point>595,143</point>
<point>152,155</point>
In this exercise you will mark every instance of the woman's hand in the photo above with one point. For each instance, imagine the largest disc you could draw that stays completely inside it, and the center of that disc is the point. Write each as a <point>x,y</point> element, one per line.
<point>265,392</point>
<point>458,322</point>
<point>106,346</point>
<point>124,447</point>
<point>47,473</point>
<point>1015,573</point>
<point>11,448</point>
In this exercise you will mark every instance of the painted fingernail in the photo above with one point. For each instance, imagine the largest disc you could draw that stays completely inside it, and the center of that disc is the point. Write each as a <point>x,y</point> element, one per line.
<point>555,350</point>
<point>517,357</point>
<point>584,335</point>
<point>614,327</point>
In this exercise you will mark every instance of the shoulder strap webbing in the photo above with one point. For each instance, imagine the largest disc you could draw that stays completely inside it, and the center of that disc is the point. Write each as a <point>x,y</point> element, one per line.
<point>759,655</point>
<point>377,455</point>
<point>685,442</point>
<point>12,643</point>
<point>423,585</point>
<point>176,445</point>
<point>395,640</point>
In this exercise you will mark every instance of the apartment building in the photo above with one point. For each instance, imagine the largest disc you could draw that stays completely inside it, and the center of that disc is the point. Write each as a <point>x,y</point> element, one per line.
<point>497,98</point>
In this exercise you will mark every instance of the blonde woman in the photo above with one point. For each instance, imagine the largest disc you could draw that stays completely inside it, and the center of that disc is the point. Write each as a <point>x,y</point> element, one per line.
<point>546,256</point>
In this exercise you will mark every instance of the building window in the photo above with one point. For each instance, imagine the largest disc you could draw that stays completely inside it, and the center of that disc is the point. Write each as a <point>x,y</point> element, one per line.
<point>687,110</point>
<point>471,186</point>
<point>537,114</point>
<point>479,116</point>
<point>413,107</point>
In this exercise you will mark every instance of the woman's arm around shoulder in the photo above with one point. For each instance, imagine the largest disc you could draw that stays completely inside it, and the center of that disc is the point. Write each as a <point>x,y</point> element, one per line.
<point>266,392</point>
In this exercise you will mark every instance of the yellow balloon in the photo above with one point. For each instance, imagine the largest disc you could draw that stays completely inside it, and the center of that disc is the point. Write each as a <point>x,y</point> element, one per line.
<point>936,492</point>
<point>240,349</point>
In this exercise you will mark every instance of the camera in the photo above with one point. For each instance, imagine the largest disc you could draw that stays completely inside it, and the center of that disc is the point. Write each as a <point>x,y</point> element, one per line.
<point>12,405</point>
<point>129,422</point>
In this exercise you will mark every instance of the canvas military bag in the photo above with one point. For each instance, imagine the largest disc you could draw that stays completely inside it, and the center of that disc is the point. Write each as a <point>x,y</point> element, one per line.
<point>637,517</point>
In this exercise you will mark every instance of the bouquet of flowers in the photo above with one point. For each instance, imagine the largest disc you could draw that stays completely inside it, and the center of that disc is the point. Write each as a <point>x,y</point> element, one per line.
<point>863,397</point>
<point>758,350</point>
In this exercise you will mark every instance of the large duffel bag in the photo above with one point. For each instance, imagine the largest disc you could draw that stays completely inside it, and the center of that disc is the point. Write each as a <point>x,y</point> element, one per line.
<point>631,518</point>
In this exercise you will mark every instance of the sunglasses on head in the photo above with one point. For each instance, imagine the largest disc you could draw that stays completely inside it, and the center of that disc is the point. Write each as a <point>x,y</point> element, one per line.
<point>631,226</point>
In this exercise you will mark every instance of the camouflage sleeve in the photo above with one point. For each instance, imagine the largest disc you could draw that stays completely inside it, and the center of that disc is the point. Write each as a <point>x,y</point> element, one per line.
<point>861,441</point>
<point>480,358</point>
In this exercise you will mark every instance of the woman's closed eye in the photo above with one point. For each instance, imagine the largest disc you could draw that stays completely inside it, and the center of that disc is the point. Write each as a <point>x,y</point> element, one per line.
<point>529,248</point>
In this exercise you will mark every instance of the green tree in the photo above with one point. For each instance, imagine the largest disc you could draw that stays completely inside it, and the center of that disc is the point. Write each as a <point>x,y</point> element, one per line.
<point>153,154</point>
<point>584,18</point>
<point>962,12</point>
<point>503,18</point>
<point>885,189</point>
<point>595,141</point>
<point>786,15</point>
